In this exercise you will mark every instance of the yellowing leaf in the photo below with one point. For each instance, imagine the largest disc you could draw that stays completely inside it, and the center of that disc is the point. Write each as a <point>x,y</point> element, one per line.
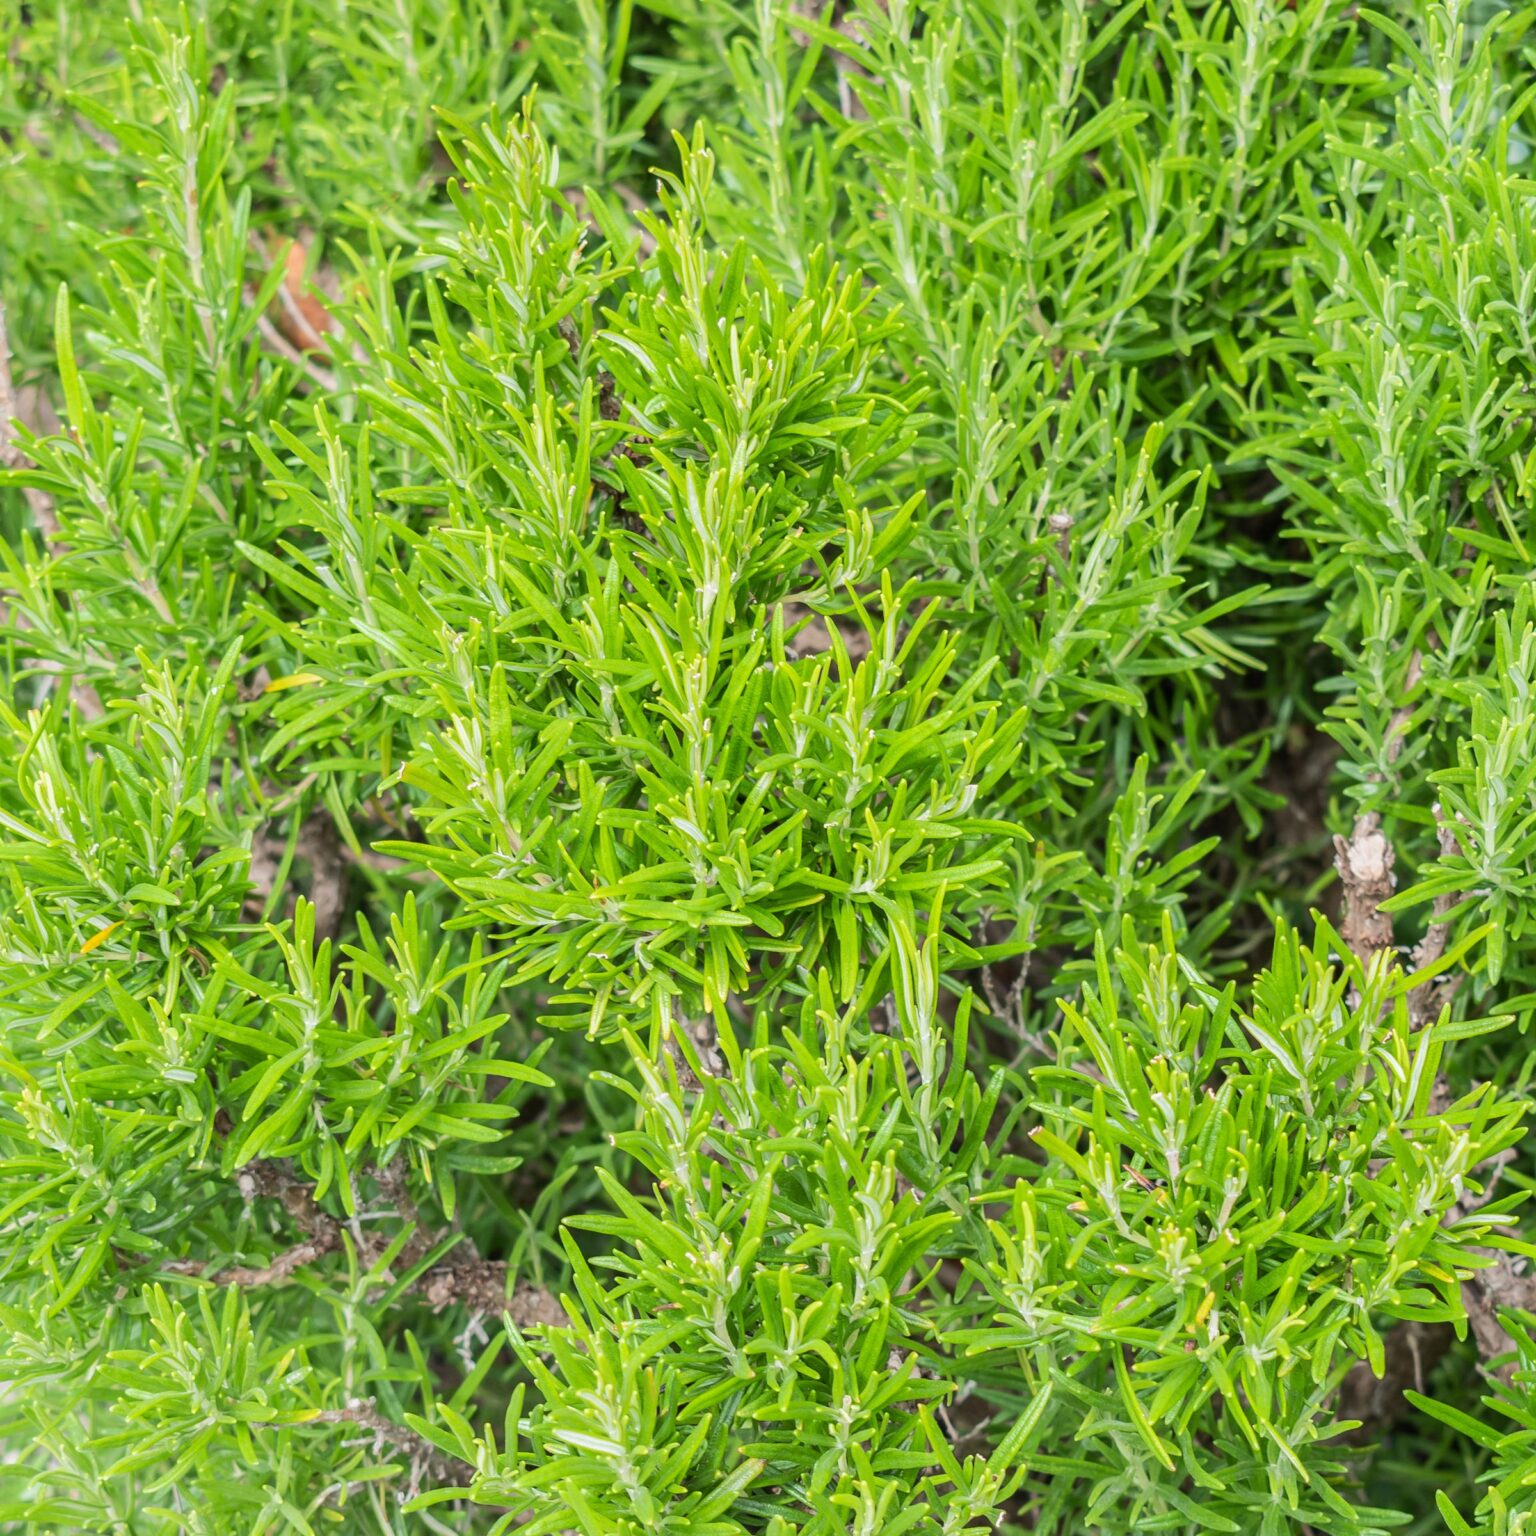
<point>293,680</point>
<point>100,937</point>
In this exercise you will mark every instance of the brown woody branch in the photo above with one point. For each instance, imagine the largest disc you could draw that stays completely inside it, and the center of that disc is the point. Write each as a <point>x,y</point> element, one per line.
<point>425,1460</point>
<point>425,1463</point>
<point>459,1278</point>
<point>1365,863</point>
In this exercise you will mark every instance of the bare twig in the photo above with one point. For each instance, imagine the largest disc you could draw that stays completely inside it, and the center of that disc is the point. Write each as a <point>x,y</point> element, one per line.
<point>322,1232</point>
<point>304,328</point>
<point>1008,1009</point>
<point>95,133</point>
<point>425,1463</point>
<point>278,1269</point>
<point>1061,524</point>
<point>261,873</point>
<point>306,318</point>
<point>480,1285</point>
<point>461,1278</point>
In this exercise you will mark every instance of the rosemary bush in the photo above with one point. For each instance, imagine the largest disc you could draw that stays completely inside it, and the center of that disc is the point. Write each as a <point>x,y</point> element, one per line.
<point>770,767</point>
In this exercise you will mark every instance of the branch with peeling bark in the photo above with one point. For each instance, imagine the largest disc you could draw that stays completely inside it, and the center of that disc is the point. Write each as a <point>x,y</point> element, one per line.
<point>459,1278</point>
<point>425,1463</point>
<point>1365,862</point>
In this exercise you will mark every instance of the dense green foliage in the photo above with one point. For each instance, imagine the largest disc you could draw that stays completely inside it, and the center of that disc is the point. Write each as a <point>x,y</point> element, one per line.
<point>770,767</point>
